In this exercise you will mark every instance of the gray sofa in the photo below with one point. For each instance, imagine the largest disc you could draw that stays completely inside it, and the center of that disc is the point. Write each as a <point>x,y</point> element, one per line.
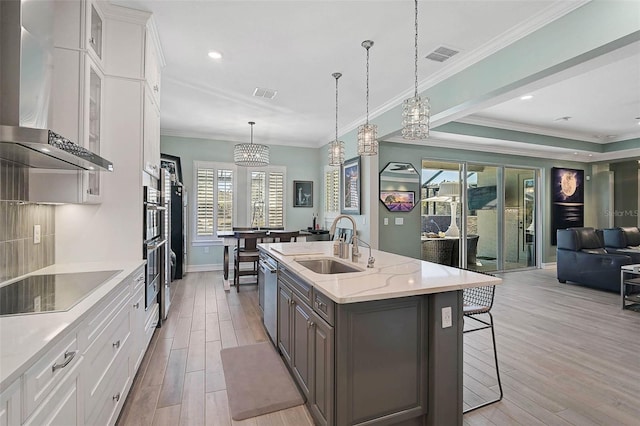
<point>582,259</point>
<point>624,240</point>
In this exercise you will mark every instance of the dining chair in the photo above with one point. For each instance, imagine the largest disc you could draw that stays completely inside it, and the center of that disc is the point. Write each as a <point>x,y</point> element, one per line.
<point>477,303</point>
<point>246,253</point>
<point>284,236</point>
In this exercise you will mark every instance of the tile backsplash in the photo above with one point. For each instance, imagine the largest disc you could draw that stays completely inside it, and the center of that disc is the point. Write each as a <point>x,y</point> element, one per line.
<point>18,254</point>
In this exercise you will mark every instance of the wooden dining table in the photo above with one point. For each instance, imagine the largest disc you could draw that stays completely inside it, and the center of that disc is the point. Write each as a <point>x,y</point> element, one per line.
<point>229,239</point>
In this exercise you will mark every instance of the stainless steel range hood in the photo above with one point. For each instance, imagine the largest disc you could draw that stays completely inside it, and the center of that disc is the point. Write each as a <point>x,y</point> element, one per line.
<point>45,149</point>
<point>26,45</point>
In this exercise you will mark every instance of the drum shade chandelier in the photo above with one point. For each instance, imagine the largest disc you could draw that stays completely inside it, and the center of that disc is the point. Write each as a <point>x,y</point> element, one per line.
<point>250,154</point>
<point>367,133</point>
<point>336,147</point>
<point>416,111</point>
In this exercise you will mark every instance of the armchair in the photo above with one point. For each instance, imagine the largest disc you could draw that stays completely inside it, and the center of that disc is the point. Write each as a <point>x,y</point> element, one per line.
<point>581,258</point>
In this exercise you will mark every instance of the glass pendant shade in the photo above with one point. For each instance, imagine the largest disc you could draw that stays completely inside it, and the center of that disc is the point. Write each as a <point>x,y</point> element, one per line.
<point>336,147</point>
<point>416,112</point>
<point>415,118</point>
<point>250,154</point>
<point>336,153</point>
<point>368,139</point>
<point>367,133</point>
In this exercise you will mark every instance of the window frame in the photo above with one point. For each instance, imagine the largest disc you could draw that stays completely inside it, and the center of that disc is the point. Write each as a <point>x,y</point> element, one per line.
<point>215,166</point>
<point>267,170</point>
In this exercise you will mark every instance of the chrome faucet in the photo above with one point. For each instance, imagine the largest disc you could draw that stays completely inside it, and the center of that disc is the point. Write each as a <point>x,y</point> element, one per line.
<point>355,254</point>
<point>371,259</point>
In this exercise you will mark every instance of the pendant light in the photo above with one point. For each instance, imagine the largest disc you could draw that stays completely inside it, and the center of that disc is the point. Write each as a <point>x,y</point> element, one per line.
<point>250,154</point>
<point>367,133</point>
<point>336,147</point>
<point>416,111</point>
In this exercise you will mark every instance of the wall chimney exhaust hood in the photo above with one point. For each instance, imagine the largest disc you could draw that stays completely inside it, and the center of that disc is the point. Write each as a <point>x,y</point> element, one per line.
<point>44,149</point>
<point>26,46</point>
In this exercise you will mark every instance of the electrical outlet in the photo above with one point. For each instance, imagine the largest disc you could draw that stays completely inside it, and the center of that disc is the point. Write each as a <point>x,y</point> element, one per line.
<point>206,250</point>
<point>386,220</point>
<point>36,234</point>
<point>446,317</point>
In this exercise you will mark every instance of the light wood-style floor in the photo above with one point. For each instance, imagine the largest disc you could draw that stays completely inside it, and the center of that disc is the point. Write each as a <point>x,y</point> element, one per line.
<point>568,356</point>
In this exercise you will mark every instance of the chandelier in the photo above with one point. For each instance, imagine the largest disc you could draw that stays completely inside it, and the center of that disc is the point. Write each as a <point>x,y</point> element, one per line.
<point>416,111</point>
<point>250,154</point>
<point>336,147</point>
<point>367,133</point>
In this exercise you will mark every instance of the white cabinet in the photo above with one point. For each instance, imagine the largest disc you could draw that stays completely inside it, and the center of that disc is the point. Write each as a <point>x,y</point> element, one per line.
<point>153,63</point>
<point>138,321</point>
<point>94,30</point>
<point>10,405</point>
<point>151,135</point>
<point>77,93</point>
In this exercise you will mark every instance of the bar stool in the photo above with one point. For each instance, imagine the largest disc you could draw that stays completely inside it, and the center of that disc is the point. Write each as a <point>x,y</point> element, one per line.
<point>478,301</point>
<point>247,253</point>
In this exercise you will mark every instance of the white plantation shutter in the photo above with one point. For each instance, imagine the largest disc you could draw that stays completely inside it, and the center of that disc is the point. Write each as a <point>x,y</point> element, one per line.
<point>214,199</point>
<point>332,190</point>
<point>267,198</point>
<point>276,199</point>
<point>258,190</point>
<point>204,207</point>
<point>225,200</point>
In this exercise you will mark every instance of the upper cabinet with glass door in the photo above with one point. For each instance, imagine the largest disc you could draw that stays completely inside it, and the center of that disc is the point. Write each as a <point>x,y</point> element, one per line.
<point>95,30</point>
<point>93,125</point>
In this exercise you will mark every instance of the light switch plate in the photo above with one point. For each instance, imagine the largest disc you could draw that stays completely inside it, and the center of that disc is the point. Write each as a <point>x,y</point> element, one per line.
<point>386,220</point>
<point>399,221</point>
<point>36,234</point>
<point>446,317</point>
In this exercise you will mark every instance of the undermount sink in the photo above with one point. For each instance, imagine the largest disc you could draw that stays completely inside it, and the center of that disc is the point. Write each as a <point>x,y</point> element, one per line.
<point>327,266</point>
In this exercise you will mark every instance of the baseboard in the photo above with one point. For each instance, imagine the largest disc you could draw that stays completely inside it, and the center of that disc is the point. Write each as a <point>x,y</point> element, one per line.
<point>549,265</point>
<point>204,268</point>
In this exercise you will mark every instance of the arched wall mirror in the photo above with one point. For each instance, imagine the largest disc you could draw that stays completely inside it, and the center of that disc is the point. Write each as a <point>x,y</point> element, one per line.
<point>399,187</point>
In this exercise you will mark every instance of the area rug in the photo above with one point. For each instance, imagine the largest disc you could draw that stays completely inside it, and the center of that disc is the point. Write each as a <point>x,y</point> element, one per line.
<point>257,381</point>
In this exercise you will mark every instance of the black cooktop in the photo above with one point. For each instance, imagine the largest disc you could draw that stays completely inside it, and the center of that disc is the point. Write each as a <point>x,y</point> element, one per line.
<point>50,293</point>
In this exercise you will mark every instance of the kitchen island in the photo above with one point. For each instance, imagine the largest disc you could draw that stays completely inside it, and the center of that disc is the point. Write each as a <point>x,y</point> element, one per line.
<point>379,345</point>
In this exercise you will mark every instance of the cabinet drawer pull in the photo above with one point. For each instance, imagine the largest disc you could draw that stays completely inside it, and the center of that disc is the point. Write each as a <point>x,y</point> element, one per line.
<point>116,397</point>
<point>68,357</point>
<point>310,324</point>
<point>137,305</point>
<point>155,87</point>
<point>116,344</point>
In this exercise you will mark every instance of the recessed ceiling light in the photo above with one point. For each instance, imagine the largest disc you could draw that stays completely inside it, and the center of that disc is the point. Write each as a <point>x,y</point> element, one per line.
<point>215,55</point>
<point>526,97</point>
<point>45,150</point>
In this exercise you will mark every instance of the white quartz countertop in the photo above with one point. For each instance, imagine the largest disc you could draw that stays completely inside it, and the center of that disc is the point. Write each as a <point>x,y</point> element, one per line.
<point>25,338</point>
<point>392,275</point>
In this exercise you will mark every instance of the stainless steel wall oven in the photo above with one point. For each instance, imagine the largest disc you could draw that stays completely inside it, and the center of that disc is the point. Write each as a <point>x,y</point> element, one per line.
<point>154,242</point>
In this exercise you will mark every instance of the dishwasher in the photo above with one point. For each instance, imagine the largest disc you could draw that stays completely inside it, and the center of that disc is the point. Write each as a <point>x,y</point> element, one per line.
<point>268,294</point>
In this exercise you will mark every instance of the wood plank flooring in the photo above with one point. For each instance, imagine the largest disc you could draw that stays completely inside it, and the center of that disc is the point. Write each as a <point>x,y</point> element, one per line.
<point>568,356</point>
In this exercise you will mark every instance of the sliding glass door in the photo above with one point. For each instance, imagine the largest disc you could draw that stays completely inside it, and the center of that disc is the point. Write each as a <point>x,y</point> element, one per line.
<point>489,226</point>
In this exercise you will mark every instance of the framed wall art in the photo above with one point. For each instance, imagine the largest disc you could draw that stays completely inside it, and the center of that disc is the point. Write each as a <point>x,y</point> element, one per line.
<point>398,201</point>
<point>350,186</point>
<point>172,164</point>
<point>567,194</point>
<point>302,193</point>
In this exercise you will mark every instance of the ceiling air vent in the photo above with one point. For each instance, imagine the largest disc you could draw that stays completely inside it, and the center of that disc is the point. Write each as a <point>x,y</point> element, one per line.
<point>261,92</point>
<point>441,54</point>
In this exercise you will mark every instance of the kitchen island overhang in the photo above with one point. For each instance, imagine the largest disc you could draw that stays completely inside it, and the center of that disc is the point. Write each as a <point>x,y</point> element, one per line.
<point>383,351</point>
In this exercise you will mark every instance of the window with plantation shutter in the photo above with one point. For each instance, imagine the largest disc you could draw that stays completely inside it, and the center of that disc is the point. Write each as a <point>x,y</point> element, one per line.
<point>332,190</point>
<point>267,197</point>
<point>214,201</point>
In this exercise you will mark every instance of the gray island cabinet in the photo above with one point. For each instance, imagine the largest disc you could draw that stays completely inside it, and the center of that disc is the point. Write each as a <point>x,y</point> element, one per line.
<point>369,347</point>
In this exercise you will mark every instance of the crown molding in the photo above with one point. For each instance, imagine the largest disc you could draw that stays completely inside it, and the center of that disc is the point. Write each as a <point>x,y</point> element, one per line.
<point>554,11</point>
<point>213,136</point>
<point>126,14</point>
<point>475,143</point>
